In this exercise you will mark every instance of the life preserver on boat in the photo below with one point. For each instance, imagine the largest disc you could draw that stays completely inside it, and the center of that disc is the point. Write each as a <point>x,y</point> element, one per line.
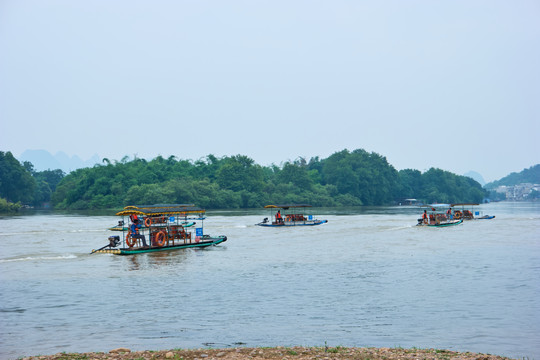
<point>129,240</point>
<point>160,238</point>
<point>457,214</point>
<point>147,222</point>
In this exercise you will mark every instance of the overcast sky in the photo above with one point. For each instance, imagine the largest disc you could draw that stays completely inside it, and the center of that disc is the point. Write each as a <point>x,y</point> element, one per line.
<point>447,84</point>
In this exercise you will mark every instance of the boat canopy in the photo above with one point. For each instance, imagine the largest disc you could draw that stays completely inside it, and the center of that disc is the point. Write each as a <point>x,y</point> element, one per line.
<point>437,206</point>
<point>161,209</point>
<point>286,206</point>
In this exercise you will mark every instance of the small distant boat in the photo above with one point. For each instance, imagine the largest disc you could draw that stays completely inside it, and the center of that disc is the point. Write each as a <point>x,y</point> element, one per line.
<point>293,215</point>
<point>438,217</point>
<point>162,227</point>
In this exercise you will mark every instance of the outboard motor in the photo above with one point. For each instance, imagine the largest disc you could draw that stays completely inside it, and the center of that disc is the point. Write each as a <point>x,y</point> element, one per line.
<point>114,241</point>
<point>265,220</point>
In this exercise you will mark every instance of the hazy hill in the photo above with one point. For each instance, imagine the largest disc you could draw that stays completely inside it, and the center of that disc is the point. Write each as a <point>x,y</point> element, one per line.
<point>530,175</point>
<point>43,160</point>
<point>476,176</point>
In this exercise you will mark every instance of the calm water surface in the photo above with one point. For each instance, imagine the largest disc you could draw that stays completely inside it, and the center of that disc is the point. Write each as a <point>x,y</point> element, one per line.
<point>367,278</point>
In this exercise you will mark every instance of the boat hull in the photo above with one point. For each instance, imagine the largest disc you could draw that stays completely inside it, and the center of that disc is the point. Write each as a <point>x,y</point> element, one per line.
<point>294,223</point>
<point>210,241</point>
<point>443,224</point>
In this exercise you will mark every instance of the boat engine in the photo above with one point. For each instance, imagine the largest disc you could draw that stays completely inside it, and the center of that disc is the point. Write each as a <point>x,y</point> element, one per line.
<point>114,241</point>
<point>265,220</point>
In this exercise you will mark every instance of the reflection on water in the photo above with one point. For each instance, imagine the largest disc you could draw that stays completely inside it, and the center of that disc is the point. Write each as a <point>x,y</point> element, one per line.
<point>369,277</point>
<point>159,260</point>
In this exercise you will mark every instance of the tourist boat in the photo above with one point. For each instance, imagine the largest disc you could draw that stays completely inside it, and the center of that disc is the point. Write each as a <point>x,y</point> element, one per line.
<point>293,215</point>
<point>163,227</point>
<point>438,216</point>
<point>466,211</point>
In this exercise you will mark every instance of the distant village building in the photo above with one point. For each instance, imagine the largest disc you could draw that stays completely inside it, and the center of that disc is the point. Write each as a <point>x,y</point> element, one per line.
<point>518,192</point>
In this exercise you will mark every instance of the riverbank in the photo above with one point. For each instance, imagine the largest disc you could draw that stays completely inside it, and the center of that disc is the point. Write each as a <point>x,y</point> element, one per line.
<point>276,353</point>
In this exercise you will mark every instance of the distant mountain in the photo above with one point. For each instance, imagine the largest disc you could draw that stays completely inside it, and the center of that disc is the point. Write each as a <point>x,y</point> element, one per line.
<point>530,175</point>
<point>44,160</point>
<point>476,176</point>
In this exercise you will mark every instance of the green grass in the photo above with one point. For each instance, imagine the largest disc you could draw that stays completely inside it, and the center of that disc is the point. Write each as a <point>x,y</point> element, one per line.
<point>333,350</point>
<point>73,356</point>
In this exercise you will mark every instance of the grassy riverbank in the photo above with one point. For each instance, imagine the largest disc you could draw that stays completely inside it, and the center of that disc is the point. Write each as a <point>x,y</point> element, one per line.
<point>277,353</point>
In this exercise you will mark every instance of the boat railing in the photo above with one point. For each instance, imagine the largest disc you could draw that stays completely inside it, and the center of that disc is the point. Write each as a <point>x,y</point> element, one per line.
<point>169,235</point>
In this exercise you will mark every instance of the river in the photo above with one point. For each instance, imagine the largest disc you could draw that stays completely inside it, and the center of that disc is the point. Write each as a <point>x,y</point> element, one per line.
<point>369,277</point>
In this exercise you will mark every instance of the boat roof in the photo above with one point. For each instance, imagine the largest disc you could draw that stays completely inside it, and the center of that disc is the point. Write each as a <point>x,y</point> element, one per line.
<point>437,205</point>
<point>161,209</point>
<point>157,206</point>
<point>286,206</point>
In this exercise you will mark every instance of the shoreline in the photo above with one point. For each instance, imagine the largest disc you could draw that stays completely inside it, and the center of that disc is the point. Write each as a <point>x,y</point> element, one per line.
<point>275,353</point>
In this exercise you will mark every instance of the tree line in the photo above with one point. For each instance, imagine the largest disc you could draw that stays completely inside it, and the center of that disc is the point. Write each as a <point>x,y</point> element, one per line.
<point>21,185</point>
<point>345,178</point>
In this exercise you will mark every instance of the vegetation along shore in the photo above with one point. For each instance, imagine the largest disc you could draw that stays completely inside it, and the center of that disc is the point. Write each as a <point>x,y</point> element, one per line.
<point>277,353</point>
<point>346,178</point>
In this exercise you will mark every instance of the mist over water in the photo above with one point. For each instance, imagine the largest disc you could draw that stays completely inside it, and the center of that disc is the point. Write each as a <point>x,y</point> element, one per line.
<point>369,277</point>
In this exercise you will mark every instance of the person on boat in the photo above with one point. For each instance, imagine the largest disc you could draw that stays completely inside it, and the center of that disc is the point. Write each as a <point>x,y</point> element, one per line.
<point>279,219</point>
<point>135,232</point>
<point>449,213</point>
<point>425,217</point>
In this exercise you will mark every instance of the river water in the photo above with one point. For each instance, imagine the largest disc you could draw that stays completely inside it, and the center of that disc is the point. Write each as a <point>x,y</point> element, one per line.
<point>368,277</point>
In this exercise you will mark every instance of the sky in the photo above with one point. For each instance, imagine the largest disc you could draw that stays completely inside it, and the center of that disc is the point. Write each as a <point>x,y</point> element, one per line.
<point>453,85</point>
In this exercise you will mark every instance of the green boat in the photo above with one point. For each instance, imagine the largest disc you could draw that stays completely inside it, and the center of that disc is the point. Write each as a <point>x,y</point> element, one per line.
<point>438,215</point>
<point>161,227</point>
<point>441,224</point>
<point>293,215</point>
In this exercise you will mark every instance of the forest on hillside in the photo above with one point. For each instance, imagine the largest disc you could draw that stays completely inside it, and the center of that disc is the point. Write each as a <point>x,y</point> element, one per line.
<point>530,175</point>
<point>345,178</point>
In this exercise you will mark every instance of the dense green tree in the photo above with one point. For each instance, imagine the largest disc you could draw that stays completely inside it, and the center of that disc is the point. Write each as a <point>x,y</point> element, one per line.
<point>240,173</point>
<point>7,207</point>
<point>343,179</point>
<point>436,185</point>
<point>410,181</point>
<point>16,182</point>
<point>297,175</point>
<point>366,176</point>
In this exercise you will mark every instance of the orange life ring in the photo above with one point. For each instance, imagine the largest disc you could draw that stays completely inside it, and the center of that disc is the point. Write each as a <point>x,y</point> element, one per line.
<point>129,240</point>
<point>160,238</point>
<point>147,222</point>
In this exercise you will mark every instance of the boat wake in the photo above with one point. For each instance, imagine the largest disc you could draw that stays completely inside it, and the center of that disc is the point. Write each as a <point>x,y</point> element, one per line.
<point>40,258</point>
<point>401,228</point>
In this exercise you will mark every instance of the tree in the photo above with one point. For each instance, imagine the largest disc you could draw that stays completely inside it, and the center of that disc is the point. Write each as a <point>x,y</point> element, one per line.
<point>343,179</point>
<point>297,175</point>
<point>16,182</point>
<point>240,173</point>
